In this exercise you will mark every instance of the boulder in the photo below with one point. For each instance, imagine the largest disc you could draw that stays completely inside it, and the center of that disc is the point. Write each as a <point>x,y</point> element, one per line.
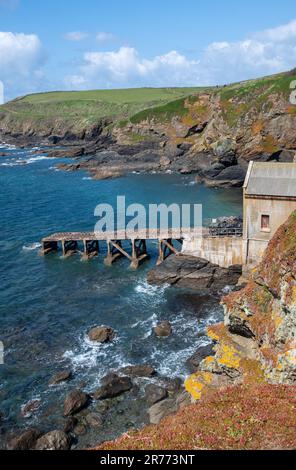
<point>163,329</point>
<point>74,402</point>
<point>144,370</point>
<point>162,409</point>
<point>62,376</point>
<point>54,440</point>
<point>113,386</point>
<point>200,354</point>
<point>154,394</point>
<point>94,420</point>
<point>25,441</point>
<point>101,334</point>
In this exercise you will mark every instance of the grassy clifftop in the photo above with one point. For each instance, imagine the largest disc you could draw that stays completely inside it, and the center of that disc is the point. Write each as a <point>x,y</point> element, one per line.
<point>91,106</point>
<point>254,117</point>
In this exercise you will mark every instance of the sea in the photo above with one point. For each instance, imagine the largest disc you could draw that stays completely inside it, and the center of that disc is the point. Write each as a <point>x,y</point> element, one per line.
<point>48,304</point>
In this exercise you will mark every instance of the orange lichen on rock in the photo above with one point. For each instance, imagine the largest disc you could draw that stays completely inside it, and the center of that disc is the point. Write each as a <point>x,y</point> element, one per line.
<point>196,383</point>
<point>266,307</point>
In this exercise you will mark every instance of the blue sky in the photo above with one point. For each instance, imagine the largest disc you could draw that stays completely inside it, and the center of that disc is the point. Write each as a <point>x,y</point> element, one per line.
<point>97,44</point>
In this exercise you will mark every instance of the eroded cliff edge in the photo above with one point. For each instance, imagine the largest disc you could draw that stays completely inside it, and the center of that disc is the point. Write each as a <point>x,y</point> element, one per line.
<point>257,342</point>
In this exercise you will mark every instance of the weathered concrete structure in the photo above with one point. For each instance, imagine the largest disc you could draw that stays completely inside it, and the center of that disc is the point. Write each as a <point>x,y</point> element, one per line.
<point>269,200</point>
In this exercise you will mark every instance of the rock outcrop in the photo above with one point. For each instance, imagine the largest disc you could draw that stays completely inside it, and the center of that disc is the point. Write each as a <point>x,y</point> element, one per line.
<point>163,329</point>
<point>194,273</point>
<point>112,386</point>
<point>101,334</point>
<point>257,342</point>
<point>74,402</point>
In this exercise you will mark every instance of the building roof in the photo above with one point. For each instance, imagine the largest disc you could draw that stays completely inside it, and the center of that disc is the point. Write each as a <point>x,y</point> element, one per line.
<point>271,179</point>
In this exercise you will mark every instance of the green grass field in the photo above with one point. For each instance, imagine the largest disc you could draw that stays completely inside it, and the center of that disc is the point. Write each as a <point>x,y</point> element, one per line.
<point>83,108</point>
<point>120,96</point>
<point>87,107</point>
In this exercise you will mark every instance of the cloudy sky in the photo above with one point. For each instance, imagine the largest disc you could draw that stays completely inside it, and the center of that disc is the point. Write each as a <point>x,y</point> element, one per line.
<point>69,44</point>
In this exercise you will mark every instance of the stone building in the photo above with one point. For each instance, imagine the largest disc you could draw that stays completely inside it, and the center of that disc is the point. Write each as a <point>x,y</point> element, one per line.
<point>269,199</point>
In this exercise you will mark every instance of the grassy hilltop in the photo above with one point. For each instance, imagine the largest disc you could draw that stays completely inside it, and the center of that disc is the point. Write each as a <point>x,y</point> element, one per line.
<point>249,119</point>
<point>91,106</point>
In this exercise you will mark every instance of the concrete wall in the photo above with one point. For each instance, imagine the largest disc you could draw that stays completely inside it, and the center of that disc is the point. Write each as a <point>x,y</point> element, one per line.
<point>256,239</point>
<point>224,251</point>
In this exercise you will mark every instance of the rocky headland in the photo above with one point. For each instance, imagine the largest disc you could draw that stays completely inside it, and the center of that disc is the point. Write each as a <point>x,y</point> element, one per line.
<point>212,133</point>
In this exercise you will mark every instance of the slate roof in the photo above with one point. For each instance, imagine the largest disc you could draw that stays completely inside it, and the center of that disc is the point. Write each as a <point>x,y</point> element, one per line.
<point>271,179</point>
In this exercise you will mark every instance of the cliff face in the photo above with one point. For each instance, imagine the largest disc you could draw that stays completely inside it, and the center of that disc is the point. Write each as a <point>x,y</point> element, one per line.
<point>266,309</point>
<point>257,342</point>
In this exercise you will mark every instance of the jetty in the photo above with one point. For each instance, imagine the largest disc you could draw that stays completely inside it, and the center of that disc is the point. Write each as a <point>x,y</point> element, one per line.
<point>88,244</point>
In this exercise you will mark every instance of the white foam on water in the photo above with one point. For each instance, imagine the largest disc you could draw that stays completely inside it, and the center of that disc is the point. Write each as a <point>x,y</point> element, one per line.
<point>149,321</point>
<point>7,146</point>
<point>35,159</point>
<point>87,178</point>
<point>144,288</point>
<point>9,164</point>
<point>32,247</point>
<point>88,354</point>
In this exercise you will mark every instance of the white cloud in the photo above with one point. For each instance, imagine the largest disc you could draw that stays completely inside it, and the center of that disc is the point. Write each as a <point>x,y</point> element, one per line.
<point>262,53</point>
<point>105,37</point>
<point>76,36</point>
<point>21,56</point>
<point>125,67</point>
<point>280,33</point>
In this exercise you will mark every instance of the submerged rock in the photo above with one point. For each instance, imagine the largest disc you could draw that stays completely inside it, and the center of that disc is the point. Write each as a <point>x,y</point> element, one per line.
<point>113,386</point>
<point>54,440</point>
<point>74,402</point>
<point>30,408</point>
<point>163,329</point>
<point>101,334</point>
<point>62,376</point>
<point>25,441</point>
<point>144,370</point>
<point>94,420</point>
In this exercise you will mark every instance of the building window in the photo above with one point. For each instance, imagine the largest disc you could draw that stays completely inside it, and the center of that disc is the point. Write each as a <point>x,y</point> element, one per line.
<point>265,223</point>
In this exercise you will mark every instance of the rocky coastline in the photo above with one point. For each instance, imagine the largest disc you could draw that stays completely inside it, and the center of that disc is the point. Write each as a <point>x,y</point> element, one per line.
<point>211,134</point>
<point>132,396</point>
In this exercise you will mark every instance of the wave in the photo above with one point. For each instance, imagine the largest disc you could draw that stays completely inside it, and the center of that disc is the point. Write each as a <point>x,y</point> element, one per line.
<point>33,246</point>
<point>147,289</point>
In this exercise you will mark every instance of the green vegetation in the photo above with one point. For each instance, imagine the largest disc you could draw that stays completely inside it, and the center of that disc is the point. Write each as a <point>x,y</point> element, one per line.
<point>80,109</point>
<point>89,106</point>
<point>238,99</point>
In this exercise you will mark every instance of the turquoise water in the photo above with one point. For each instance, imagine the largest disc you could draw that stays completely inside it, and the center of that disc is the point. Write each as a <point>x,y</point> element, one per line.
<point>47,305</point>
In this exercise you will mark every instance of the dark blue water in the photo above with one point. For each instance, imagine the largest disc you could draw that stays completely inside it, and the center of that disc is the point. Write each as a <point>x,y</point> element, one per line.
<point>47,305</point>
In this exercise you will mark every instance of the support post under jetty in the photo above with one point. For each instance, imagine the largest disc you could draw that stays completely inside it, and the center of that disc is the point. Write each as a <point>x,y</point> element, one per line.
<point>88,245</point>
